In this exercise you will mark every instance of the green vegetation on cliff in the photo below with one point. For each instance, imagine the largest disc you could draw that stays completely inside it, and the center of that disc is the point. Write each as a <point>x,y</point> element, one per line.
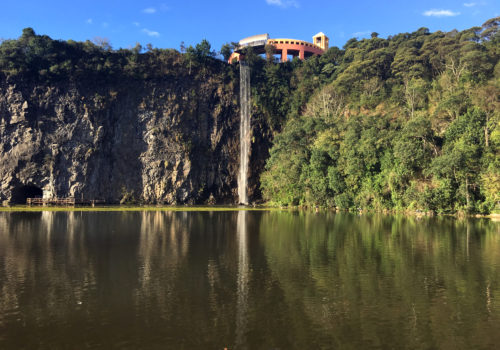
<point>407,122</point>
<point>41,59</point>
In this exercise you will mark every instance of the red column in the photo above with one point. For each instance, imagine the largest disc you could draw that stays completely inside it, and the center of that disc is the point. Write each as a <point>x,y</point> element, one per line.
<point>301,54</point>
<point>284,55</point>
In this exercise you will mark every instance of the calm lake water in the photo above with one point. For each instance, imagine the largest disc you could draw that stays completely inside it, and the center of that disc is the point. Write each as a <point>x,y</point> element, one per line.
<point>247,280</point>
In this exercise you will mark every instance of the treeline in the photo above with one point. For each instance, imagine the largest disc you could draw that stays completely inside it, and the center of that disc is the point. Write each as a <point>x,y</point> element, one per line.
<point>407,122</point>
<point>42,59</point>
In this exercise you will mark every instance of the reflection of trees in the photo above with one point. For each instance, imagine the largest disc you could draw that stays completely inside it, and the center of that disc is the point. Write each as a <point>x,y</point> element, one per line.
<point>383,281</point>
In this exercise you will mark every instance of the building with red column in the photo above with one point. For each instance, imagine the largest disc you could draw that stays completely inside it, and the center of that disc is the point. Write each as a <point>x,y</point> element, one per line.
<point>284,47</point>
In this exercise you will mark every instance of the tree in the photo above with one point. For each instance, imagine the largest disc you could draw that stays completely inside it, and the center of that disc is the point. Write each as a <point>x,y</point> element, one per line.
<point>28,33</point>
<point>326,103</point>
<point>204,49</point>
<point>461,157</point>
<point>190,57</point>
<point>103,43</point>
<point>491,29</point>
<point>490,184</point>
<point>414,92</point>
<point>487,98</point>
<point>414,146</point>
<point>137,49</point>
<point>350,43</point>
<point>226,51</point>
<point>270,52</point>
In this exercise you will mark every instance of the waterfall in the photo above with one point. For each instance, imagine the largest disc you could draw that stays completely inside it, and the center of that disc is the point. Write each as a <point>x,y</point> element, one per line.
<point>244,131</point>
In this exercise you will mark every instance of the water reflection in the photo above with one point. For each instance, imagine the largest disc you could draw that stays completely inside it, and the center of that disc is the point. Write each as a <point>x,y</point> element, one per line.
<point>243,278</point>
<point>284,280</point>
<point>187,263</point>
<point>29,253</point>
<point>163,246</point>
<point>389,282</point>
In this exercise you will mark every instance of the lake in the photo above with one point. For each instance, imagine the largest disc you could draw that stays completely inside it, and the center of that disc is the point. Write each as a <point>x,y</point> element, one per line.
<point>247,280</point>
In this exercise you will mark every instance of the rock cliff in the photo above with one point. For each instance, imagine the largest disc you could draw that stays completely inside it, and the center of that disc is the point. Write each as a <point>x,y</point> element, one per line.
<point>170,141</point>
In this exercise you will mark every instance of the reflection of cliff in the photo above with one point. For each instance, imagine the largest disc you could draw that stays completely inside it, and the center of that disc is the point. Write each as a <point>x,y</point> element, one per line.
<point>94,275</point>
<point>32,254</point>
<point>188,262</point>
<point>163,245</point>
<point>385,279</point>
<point>194,270</point>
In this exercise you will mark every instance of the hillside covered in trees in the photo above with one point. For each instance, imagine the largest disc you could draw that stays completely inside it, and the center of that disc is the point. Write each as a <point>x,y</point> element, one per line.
<point>406,122</point>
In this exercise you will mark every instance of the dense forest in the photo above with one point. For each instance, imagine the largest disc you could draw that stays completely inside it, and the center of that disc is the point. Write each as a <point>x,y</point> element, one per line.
<point>407,122</point>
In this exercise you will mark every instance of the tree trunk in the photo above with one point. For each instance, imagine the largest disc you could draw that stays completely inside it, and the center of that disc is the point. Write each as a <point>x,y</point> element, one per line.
<point>486,139</point>
<point>467,193</point>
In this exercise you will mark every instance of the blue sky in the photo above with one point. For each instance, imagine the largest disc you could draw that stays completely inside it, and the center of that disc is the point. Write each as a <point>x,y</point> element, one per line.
<point>166,23</point>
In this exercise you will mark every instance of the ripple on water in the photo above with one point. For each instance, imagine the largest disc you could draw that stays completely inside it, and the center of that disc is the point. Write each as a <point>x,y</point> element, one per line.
<point>264,280</point>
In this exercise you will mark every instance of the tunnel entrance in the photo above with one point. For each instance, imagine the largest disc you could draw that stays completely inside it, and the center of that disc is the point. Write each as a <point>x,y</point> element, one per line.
<point>21,193</point>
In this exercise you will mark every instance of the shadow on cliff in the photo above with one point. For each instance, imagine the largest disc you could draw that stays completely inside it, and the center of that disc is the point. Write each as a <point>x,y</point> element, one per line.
<point>22,192</point>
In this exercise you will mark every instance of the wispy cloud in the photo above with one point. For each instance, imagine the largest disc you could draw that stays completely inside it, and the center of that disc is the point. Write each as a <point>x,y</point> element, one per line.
<point>360,34</point>
<point>149,10</point>
<point>105,24</point>
<point>89,21</point>
<point>137,24</point>
<point>150,32</point>
<point>283,3</point>
<point>470,4</point>
<point>440,13</point>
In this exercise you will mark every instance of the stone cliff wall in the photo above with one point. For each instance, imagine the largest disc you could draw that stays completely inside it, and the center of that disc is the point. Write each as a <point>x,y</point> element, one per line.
<point>174,141</point>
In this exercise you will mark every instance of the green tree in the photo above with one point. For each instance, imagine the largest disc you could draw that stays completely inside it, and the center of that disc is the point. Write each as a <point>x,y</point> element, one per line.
<point>226,51</point>
<point>204,49</point>
<point>461,158</point>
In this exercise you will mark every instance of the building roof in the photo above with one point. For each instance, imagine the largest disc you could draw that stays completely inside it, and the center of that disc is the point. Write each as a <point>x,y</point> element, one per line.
<point>253,38</point>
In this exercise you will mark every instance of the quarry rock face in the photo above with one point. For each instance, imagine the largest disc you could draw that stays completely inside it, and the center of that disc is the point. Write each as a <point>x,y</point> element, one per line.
<point>174,141</point>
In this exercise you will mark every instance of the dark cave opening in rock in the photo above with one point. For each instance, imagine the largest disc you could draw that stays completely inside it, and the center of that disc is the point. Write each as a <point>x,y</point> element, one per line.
<point>21,193</point>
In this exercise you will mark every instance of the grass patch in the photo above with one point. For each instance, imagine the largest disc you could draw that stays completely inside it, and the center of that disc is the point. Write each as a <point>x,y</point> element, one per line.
<point>24,208</point>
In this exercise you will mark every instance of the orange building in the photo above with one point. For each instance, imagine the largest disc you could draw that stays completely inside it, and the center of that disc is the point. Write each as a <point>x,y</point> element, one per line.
<point>284,47</point>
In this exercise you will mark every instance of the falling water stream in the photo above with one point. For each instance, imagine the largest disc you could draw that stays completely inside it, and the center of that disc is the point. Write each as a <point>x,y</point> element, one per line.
<point>244,131</point>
